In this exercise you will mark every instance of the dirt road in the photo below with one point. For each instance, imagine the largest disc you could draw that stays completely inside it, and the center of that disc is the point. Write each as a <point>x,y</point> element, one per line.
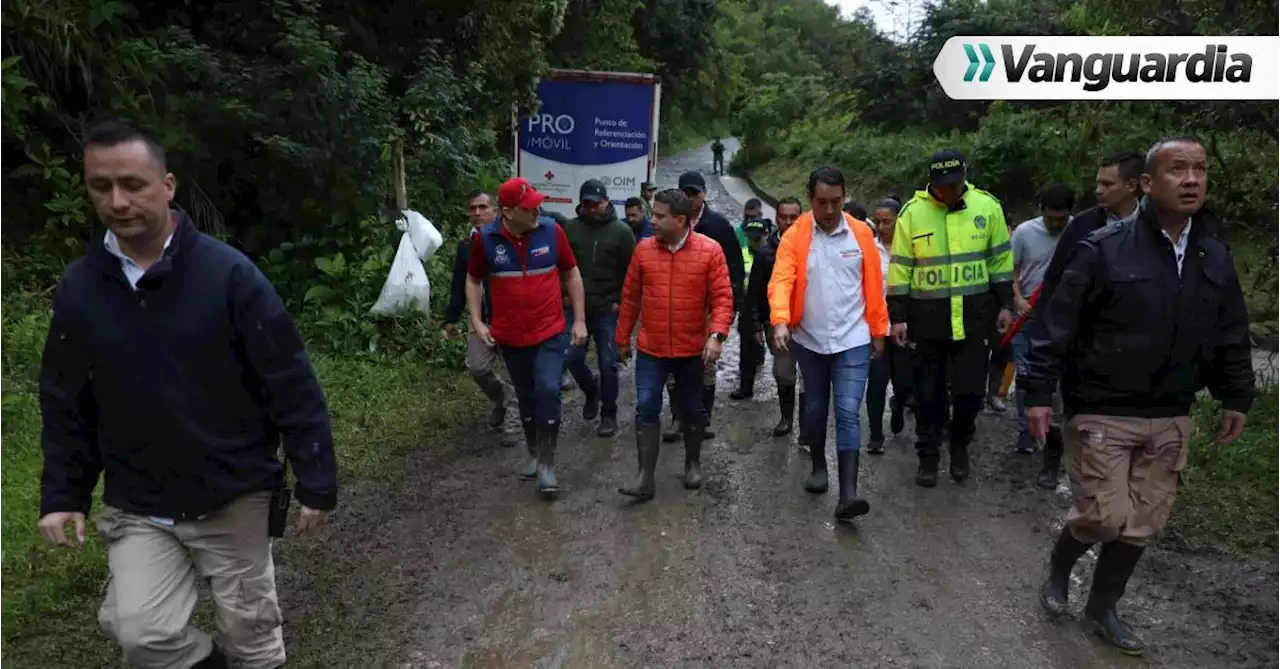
<point>455,563</point>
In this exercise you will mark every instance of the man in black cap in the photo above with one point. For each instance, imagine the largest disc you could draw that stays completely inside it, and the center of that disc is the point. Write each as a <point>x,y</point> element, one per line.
<point>756,230</point>
<point>951,268</point>
<point>603,246</point>
<point>714,225</point>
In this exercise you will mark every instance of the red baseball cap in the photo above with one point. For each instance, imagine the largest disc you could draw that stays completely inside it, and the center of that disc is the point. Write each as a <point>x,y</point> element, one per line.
<point>518,192</point>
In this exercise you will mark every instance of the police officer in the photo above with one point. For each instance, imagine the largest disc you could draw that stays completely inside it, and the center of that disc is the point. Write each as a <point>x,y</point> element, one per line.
<point>1145,315</point>
<point>951,267</point>
<point>756,232</point>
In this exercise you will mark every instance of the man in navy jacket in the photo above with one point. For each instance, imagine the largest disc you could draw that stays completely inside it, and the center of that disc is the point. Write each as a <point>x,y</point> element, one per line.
<point>173,368</point>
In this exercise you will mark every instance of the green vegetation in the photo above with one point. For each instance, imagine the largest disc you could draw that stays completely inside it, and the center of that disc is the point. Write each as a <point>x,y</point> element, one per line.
<point>844,95</point>
<point>280,118</point>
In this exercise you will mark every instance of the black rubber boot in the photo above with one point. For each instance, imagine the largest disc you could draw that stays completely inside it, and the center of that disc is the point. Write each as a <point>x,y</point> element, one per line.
<point>896,419</point>
<point>647,442</point>
<point>708,404</point>
<point>674,429</point>
<point>529,469</point>
<point>850,505</point>
<point>1052,463</point>
<point>215,660</point>
<point>548,435</point>
<point>1066,552</point>
<point>591,402</point>
<point>817,482</point>
<point>927,472</point>
<point>1116,562</point>
<point>802,439</point>
<point>608,426</point>
<point>693,456</point>
<point>787,409</point>
<point>747,385</point>
<point>959,464</point>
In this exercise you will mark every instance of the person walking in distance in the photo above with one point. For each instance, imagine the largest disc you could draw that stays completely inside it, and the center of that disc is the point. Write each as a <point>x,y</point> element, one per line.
<point>603,246</point>
<point>895,364</point>
<point>173,369</point>
<point>481,358</point>
<point>717,157</point>
<point>1146,314</point>
<point>1034,243</point>
<point>713,224</point>
<point>678,287</point>
<point>950,268</point>
<point>524,258</point>
<point>788,210</point>
<point>826,299</point>
<point>647,189</point>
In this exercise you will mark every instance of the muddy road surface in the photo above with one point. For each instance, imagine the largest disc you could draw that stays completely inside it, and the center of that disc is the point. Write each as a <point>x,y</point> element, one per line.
<point>453,562</point>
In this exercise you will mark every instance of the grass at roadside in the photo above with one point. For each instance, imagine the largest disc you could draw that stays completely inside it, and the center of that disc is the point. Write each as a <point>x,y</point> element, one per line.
<point>1227,504</point>
<point>380,408</point>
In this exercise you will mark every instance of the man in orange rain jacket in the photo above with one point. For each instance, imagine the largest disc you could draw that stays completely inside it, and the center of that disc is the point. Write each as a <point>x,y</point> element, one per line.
<point>678,286</point>
<point>827,304</point>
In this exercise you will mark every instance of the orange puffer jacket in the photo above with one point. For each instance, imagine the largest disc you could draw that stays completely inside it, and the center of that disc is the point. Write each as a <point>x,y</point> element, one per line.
<point>674,293</point>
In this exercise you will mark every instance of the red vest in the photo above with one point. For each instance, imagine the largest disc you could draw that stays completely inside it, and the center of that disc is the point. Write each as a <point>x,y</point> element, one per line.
<point>524,285</point>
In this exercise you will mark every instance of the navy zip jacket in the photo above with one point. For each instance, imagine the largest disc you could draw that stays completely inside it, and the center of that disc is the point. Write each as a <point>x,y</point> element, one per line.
<point>714,225</point>
<point>179,392</point>
<point>457,307</point>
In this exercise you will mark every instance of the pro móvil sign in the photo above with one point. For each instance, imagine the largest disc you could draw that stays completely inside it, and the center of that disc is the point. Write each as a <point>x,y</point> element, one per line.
<point>1109,68</point>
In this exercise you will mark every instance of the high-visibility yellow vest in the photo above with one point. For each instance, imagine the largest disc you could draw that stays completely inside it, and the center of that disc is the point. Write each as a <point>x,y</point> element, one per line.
<point>940,254</point>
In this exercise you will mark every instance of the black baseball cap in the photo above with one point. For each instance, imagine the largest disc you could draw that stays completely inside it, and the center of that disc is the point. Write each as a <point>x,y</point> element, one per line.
<point>755,228</point>
<point>946,167</point>
<point>693,180</point>
<point>593,191</point>
<point>648,185</point>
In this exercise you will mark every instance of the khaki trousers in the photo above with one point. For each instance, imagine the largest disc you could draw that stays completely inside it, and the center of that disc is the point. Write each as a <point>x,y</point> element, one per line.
<point>482,365</point>
<point>1124,475</point>
<point>152,591</point>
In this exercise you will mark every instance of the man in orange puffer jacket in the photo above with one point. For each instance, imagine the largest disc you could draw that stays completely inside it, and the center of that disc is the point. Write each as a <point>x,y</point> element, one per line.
<point>678,283</point>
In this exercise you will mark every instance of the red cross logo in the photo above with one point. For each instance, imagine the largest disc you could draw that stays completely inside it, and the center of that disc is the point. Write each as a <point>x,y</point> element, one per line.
<point>550,175</point>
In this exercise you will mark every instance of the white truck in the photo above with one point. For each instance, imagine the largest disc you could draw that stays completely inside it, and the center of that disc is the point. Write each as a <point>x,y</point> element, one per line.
<point>590,125</point>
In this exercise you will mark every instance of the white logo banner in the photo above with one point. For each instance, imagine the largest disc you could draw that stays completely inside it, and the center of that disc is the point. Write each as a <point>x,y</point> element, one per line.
<point>1110,68</point>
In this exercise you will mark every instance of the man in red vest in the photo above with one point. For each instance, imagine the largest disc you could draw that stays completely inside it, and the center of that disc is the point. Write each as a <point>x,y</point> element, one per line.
<point>525,257</point>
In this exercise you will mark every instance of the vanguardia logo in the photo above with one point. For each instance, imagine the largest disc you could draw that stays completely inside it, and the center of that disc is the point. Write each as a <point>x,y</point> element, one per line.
<point>1110,68</point>
<point>988,62</point>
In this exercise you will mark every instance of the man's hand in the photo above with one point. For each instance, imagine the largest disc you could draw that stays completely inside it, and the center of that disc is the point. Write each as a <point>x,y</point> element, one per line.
<point>53,527</point>
<point>899,334</point>
<point>711,352</point>
<point>877,347</point>
<point>311,519</point>
<point>1038,419</point>
<point>1020,305</point>
<point>579,333</point>
<point>1232,427</point>
<point>760,336</point>
<point>1004,320</point>
<point>781,337</point>
<point>482,331</point>
<point>451,330</point>
<point>624,354</point>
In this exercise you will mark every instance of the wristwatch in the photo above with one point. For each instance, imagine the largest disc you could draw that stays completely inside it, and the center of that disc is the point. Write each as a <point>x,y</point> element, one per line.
<point>718,337</point>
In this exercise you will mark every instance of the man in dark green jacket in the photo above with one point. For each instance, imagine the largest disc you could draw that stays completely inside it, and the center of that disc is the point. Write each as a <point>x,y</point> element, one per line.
<point>603,246</point>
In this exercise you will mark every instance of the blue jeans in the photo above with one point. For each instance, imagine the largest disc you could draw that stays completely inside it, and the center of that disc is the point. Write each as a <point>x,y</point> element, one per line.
<point>651,380</point>
<point>1021,345</point>
<point>535,373</point>
<point>601,328</point>
<point>841,374</point>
